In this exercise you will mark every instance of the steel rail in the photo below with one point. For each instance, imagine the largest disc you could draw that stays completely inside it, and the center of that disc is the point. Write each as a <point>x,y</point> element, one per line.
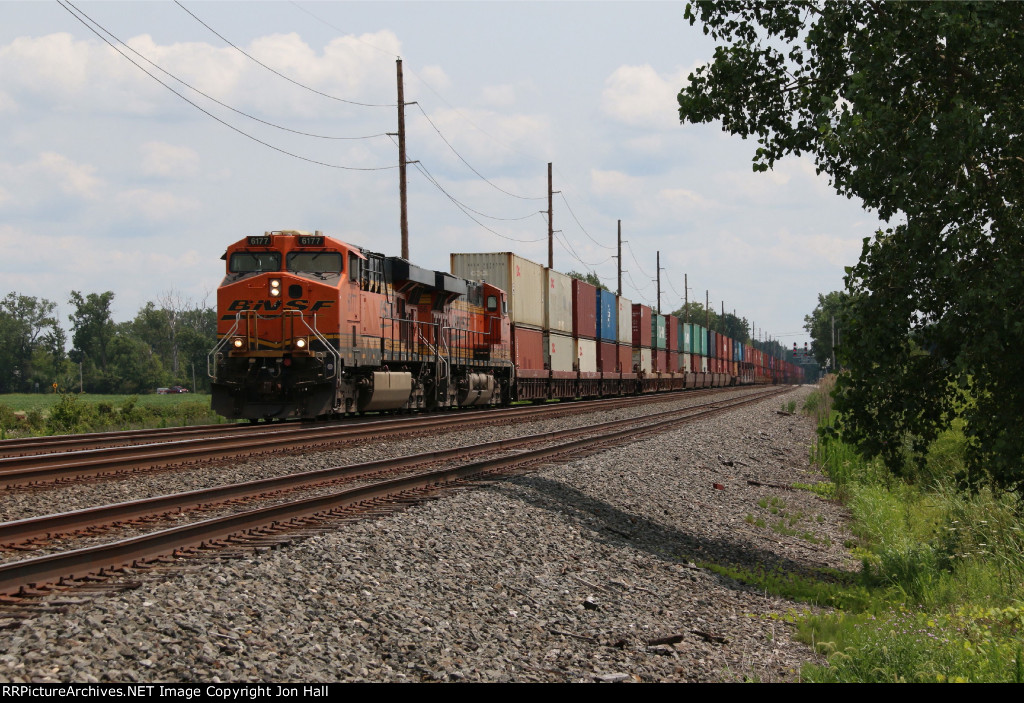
<point>55,467</point>
<point>29,573</point>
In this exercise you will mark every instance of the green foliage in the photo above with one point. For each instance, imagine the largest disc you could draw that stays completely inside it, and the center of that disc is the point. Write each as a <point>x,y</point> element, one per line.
<point>588,277</point>
<point>826,322</point>
<point>910,108</point>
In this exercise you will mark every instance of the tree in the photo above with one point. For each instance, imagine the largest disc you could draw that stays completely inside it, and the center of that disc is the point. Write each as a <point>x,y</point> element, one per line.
<point>828,322</point>
<point>26,325</point>
<point>913,108</point>
<point>92,329</point>
<point>589,277</point>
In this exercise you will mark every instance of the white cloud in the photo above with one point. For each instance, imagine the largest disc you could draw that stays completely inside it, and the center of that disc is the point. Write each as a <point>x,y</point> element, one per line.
<point>485,138</point>
<point>153,205</point>
<point>169,161</point>
<point>39,179</point>
<point>641,97</point>
<point>435,77</point>
<point>499,95</point>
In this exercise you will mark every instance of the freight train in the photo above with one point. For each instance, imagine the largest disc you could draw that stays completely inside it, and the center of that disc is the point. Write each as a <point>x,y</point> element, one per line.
<point>311,327</point>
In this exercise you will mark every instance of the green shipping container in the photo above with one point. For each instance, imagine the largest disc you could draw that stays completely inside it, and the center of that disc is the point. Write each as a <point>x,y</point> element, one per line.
<point>659,336</point>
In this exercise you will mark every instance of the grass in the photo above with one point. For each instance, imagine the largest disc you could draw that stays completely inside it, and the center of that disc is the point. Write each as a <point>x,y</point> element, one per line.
<point>26,415</point>
<point>940,593</point>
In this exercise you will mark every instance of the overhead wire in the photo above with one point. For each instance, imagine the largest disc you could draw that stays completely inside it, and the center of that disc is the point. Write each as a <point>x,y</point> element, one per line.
<point>469,165</point>
<point>74,12</point>
<point>569,208</point>
<point>278,73</point>
<point>213,99</point>
<point>429,177</point>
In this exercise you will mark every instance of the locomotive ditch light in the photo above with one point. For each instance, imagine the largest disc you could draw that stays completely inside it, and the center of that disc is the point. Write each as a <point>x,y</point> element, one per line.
<point>300,343</point>
<point>238,342</point>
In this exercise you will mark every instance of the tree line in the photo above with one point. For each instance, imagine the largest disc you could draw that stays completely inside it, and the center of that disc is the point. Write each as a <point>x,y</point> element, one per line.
<point>164,345</point>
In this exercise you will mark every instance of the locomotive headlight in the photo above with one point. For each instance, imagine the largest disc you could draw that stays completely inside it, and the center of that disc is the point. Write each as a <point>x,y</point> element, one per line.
<point>238,342</point>
<point>275,286</point>
<point>300,343</point>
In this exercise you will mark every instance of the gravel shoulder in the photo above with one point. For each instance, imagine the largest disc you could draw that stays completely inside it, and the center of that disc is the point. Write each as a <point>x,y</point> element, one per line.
<point>579,572</point>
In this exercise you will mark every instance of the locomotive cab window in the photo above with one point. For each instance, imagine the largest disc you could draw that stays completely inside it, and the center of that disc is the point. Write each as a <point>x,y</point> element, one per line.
<point>254,261</point>
<point>353,267</point>
<point>492,303</point>
<point>315,262</point>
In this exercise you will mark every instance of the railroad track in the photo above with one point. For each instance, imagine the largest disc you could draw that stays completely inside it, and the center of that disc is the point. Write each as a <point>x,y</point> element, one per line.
<point>95,457</point>
<point>255,526</point>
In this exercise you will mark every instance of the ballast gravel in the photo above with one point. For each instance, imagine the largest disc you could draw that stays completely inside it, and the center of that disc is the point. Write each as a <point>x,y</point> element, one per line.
<point>590,571</point>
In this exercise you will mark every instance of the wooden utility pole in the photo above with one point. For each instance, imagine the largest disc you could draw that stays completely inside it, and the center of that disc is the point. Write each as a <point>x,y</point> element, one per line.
<point>619,258</point>
<point>657,264</point>
<point>551,222</point>
<point>707,309</point>
<point>401,164</point>
<point>686,299</point>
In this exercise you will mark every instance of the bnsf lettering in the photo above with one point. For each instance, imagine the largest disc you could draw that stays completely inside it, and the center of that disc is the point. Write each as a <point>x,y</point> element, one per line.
<point>273,305</point>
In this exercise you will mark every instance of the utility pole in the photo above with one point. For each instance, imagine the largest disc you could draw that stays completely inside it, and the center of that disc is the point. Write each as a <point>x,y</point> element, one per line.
<point>551,222</point>
<point>401,164</point>
<point>833,341</point>
<point>707,309</point>
<point>657,265</point>
<point>686,299</point>
<point>619,258</point>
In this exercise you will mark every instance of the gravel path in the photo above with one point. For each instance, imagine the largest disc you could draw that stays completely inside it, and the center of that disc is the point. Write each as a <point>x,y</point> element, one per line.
<point>582,572</point>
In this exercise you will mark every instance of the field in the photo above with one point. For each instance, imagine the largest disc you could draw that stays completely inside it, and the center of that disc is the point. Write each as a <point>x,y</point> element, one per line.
<point>24,414</point>
<point>43,402</point>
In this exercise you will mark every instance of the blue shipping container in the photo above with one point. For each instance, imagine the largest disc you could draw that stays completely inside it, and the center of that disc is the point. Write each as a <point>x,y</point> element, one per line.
<point>607,316</point>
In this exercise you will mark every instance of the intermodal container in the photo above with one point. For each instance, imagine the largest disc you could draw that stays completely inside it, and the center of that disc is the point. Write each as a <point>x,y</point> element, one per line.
<point>607,316</point>
<point>642,359</point>
<point>584,305</point>
<point>607,357</point>
<point>559,351</point>
<point>528,348</point>
<point>624,324</point>
<point>586,355</point>
<point>686,361</point>
<point>673,361</point>
<point>660,361</point>
<point>712,348</point>
<point>523,281</point>
<point>641,326</point>
<point>558,302</point>
<point>659,335</point>
<point>625,354</point>
<point>672,330</point>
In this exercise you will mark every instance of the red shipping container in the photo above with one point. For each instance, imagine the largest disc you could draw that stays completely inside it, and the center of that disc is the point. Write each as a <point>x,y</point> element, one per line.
<point>661,365</point>
<point>672,325</point>
<point>641,325</point>
<point>584,309</point>
<point>625,358</point>
<point>528,348</point>
<point>607,357</point>
<point>673,360</point>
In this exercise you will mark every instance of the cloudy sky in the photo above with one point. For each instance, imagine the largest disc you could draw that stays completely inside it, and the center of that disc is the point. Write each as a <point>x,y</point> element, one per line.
<point>110,181</point>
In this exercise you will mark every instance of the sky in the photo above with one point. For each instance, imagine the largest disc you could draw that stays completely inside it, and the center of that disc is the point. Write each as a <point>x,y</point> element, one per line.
<point>111,181</point>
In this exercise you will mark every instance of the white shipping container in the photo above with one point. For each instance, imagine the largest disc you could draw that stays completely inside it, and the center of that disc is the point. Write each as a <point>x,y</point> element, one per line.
<point>704,364</point>
<point>642,357</point>
<point>625,321</point>
<point>559,352</point>
<point>586,355</point>
<point>558,302</point>
<point>686,362</point>
<point>522,279</point>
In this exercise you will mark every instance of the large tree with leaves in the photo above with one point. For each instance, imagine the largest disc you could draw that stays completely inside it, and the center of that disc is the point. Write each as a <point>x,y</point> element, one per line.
<point>915,109</point>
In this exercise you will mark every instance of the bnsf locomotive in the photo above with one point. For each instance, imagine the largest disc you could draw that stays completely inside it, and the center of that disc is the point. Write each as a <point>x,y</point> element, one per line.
<point>310,326</point>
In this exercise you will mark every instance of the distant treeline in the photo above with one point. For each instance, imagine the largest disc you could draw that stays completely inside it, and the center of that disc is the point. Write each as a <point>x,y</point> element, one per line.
<point>165,345</point>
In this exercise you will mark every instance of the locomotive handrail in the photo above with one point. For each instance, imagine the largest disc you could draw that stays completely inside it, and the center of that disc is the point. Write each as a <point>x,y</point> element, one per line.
<point>250,314</point>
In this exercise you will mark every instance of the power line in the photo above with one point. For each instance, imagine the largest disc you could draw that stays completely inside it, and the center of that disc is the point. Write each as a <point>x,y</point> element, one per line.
<point>72,10</point>
<point>275,71</point>
<point>637,262</point>
<point>342,31</point>
<point>210,97</point>
<point>569,208</point>
<point>465,210</point>
<point>469,165</point>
